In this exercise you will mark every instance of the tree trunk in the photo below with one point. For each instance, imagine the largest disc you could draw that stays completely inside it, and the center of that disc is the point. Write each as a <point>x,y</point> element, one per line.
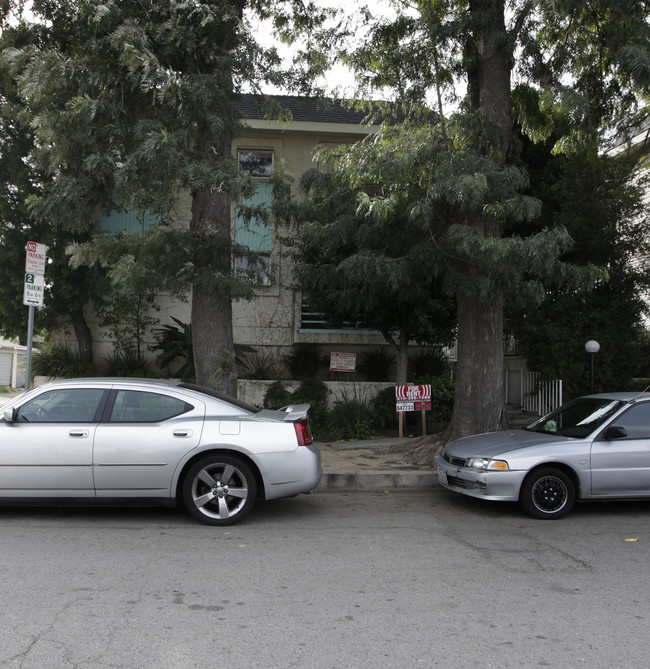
<point>212,336</point>
<point>479,399</point>
<point>479,371</point>
<point>83,334</point>
<point>402,358</point>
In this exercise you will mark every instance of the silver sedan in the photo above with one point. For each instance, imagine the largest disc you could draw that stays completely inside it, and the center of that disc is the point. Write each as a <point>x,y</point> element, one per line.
<point>593,448</point>
<point>131,441</point>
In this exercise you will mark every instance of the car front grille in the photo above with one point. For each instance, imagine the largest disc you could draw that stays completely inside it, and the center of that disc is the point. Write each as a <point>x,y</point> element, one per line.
<point>459,483</point>
<point>457,462</point>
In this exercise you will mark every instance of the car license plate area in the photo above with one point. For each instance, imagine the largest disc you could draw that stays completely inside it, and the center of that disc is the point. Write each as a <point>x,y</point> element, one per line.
<point>442,477</point>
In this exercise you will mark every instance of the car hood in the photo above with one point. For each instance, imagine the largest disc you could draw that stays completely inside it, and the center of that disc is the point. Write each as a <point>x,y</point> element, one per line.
<point>495,443</point>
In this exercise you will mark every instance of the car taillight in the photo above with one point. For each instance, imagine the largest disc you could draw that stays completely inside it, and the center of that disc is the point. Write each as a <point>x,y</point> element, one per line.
<point>303,432</point>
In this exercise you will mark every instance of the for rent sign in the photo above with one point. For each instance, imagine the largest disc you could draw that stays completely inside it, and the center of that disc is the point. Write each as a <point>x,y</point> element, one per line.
<point>413,398</point>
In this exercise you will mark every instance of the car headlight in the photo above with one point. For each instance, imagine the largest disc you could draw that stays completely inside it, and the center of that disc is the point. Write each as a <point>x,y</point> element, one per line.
<point>487,463</point>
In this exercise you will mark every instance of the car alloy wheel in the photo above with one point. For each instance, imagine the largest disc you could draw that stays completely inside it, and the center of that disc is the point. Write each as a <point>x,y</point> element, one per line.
<point>219,489</point>
<point>547,493</point>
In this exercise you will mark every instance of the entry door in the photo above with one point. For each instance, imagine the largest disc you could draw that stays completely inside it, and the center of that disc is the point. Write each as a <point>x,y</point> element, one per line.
<point>138,448</point>
<point>621,467</point>
<point>47,451</point>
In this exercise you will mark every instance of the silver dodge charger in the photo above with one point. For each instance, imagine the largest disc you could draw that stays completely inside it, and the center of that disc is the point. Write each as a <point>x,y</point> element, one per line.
<point>593,448</point>
<point>113,441</point>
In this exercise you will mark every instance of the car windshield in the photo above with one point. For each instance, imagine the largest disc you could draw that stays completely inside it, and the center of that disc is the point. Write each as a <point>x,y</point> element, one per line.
<point>578,418</point>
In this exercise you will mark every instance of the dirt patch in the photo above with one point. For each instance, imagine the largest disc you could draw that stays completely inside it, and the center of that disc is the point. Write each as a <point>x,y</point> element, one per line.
<point>414,454</point>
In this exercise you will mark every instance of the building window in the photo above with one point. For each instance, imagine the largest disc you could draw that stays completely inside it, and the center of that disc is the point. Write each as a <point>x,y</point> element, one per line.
<point>255,163</point>
<point>254,232</point>
<point>119,220</point>
<point>312,320</point>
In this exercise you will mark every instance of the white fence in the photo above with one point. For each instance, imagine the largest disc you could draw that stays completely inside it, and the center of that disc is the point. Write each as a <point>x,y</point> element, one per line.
<point>539,396</point>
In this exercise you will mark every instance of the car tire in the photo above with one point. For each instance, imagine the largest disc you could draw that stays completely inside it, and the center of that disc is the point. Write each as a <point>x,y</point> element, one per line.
<point>219,489</point>
<point>547,493</point>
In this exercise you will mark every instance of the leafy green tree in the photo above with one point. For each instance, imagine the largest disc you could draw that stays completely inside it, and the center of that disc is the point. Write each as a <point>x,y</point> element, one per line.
<point>67,289</point>
<point>133,101</point>
<point>601,205</point>
<point>585,61</point>
<point>359,266</point>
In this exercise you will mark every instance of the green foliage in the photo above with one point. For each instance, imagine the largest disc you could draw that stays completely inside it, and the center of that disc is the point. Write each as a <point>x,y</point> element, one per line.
<point>59,359</point>
<point>136,102</point>
<point>126,362</point>
<point>261,364</point>
<point>376,364</point>
<point>383,410</point>
<point>310,391</point>
<point>442,402</point>
<point>313,392</point>
<point>350,419</point>
<point>304,361</point>
<point>22,179</point>
<point>426,364</point>
<point>128,315</point>
<point>277,396</point>
<point>601,205</point>
<point>175,345</point>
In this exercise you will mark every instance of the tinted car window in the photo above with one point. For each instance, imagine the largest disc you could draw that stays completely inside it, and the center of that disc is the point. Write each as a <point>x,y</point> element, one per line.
<point>134,406</point>
<point>67,405</point>
<point>226,399</point>
<point>636,421</point>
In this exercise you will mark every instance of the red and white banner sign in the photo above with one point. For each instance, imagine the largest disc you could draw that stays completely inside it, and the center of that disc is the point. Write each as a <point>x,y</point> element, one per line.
<point>413,398</point>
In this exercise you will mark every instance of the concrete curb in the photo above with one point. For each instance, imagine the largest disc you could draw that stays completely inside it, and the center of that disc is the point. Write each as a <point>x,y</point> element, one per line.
<point>374,481</point>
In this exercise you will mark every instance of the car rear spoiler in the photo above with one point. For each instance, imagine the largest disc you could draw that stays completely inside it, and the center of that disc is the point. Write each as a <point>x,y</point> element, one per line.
<point>295,411</point>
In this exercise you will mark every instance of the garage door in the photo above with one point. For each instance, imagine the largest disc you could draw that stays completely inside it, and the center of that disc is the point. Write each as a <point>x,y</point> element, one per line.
<point>6,360</point>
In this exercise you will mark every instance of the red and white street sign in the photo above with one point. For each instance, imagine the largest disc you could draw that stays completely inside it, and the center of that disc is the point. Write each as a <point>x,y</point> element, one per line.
<point>36,258</point>
<point>343,362</point>
<point>413,398</point>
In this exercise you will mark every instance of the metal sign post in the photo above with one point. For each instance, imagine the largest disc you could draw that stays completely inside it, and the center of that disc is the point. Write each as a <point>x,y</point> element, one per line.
<point>30,337</point>
<point>35,261</point>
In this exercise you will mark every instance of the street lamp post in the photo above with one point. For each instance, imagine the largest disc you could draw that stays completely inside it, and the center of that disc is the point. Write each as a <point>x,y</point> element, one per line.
<point>592,347</point>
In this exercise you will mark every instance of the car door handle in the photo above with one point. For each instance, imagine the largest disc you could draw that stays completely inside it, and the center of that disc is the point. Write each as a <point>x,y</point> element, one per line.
<point>182,433</point>
<point>78,433</point>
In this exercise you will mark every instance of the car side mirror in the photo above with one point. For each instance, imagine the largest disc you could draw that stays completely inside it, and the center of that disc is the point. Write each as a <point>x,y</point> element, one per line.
<point>10,415</point>
<point>615,432</point>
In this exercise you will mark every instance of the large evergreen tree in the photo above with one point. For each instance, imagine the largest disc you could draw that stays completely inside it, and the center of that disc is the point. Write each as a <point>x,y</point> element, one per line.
<point>584,60</point>
<point>599,198</point>
<point>132,101</point>
<point>360,266</point>
<point>67,289</point>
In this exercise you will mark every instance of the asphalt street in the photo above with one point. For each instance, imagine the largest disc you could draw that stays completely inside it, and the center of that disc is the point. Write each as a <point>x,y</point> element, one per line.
<point>359,580</point>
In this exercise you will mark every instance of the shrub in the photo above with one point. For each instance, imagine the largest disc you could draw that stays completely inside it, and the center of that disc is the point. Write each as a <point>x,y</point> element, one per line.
<point>314,393</point>
<point>310,391</point>
<point>304,361</point>
<point>59,359</point>
<point>427,364</point>
<point>376,364</point>
<point>277,396</point>
<point>383,409</point>
<point>121,362</point>
<point>175,345</point>
<point>350,419</point>
<point>260,365</point>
